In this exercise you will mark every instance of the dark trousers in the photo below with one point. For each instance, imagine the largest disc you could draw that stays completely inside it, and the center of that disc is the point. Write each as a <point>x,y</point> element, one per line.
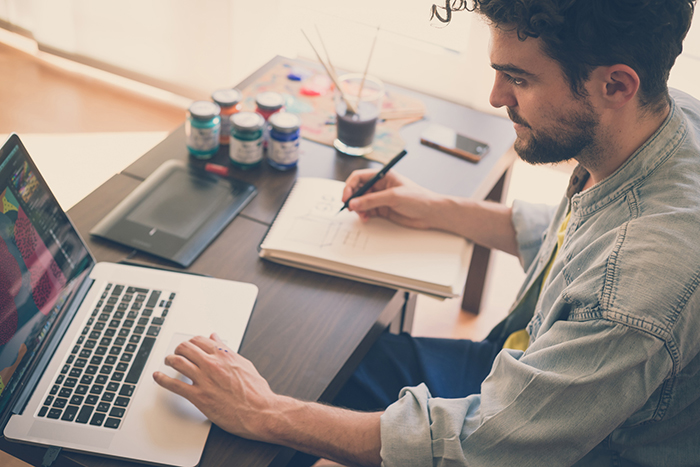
<point>450,368</point>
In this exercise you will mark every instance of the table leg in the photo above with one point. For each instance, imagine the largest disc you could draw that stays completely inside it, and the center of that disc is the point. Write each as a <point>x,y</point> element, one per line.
<point>479,266</point>
<point>404,320</point>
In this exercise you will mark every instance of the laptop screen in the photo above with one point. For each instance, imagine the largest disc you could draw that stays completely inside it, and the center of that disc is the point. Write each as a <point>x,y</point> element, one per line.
<point>42,262</point>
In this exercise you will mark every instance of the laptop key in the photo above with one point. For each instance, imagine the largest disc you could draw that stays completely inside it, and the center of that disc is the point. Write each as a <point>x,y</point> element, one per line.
<point>84,414</point>
<point>76,400</point>
<point>153,299</point>
<point>60,403</point>
<point>69,413</point>
<point>117,412</point>
<point>54,413</point>
<point>108,396</point>
<point>127,390</point>
<point>140,360</point>
<point>121,401</point>
<point>65,392</point>
<point>117,376</point>
<point>103,407</point>
<point>92,400</point>
<point>113,387</point>
<point>97,419</point>
<point>82,389</point>
<point>112,423</point>
<point>42,411</point>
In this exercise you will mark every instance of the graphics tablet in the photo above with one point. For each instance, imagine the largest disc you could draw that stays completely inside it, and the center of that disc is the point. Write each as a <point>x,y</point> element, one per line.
<point>176,212</point>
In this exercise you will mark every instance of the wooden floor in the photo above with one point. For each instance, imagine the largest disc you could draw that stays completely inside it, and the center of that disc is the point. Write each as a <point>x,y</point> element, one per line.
<point>37,97</point>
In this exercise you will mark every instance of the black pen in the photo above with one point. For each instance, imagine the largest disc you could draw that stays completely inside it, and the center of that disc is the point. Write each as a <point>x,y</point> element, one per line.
<point>363,189</point>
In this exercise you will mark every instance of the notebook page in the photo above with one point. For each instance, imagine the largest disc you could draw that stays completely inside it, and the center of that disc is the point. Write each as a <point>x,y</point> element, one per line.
<point>309,224</point>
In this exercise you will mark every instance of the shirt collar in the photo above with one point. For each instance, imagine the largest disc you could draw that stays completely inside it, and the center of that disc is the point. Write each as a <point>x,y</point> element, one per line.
<point>642,162</point>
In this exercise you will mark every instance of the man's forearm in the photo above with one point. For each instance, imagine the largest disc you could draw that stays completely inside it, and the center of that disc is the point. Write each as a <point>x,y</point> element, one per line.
<point>345,436</point>
<point>484,222</point>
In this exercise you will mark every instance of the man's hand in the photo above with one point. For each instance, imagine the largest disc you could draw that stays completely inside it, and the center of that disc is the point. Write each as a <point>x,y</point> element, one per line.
<point>395,198</point>
<point>225,386</point>
<point>231,393</point>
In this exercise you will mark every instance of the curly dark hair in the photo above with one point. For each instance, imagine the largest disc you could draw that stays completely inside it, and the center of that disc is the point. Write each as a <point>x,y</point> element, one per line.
<point>646,35</point>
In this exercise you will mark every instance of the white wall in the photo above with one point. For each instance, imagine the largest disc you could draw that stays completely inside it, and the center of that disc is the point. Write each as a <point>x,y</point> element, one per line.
<point>195,46</point>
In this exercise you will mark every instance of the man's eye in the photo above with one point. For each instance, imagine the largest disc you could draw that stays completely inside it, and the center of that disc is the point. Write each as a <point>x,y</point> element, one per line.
<point>514,81</point>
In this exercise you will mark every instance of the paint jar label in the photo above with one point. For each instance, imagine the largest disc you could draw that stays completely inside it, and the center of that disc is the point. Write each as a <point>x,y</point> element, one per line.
<point>284,152</point>
<point>246,152</point>
<point>203,139</point>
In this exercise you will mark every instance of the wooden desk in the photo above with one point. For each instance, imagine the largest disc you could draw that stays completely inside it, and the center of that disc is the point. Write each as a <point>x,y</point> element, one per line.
<point>428,167</point>
<point>308,331</point>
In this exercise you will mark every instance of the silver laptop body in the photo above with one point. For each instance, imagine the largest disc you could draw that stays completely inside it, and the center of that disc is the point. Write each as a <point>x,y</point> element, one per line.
<point>82,339</point>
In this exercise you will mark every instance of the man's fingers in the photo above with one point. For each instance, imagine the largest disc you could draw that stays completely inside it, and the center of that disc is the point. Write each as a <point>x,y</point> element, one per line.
<point>183,365</point>
<point>171,384</point>
<point>356,180</point>
<point>372,200</point>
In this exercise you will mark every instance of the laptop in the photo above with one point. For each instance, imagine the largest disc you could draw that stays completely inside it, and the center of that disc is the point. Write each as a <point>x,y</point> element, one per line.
<point>79,340</point>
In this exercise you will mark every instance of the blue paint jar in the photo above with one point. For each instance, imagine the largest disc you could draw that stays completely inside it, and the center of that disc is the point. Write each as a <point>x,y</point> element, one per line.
<point>203,129</point>
<point>246,145</point>
<point>283,147</point>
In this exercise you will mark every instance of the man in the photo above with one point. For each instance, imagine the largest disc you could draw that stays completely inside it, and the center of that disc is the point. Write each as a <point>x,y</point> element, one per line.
<point>608,371</point>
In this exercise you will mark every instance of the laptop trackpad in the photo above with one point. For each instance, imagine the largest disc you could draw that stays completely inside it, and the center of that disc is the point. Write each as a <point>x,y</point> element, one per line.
<point>179,404</point>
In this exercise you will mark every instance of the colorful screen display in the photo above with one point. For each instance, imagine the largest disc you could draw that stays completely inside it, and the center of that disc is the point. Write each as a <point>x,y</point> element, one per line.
<point>41,258</point>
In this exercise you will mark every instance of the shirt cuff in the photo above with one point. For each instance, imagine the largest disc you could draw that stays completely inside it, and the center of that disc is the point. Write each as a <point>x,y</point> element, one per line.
<point>530,222</point>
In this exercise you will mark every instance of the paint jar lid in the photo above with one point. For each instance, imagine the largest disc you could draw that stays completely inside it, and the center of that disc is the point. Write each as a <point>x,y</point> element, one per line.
<point>284,122</point>
<point>269,101</point>
<point>226,97</point>
<point>204,110</point>
<point>247,121</point>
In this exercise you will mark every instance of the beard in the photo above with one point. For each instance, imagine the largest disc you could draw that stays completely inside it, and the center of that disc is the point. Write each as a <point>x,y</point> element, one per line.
<point>572,134</point>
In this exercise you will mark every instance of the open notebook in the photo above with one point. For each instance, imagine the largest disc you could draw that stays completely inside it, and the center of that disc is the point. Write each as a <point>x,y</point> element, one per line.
<point>309,233</point>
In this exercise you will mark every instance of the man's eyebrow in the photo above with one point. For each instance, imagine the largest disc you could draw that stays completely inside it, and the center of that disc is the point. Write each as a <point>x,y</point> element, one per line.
<point>512,69</point>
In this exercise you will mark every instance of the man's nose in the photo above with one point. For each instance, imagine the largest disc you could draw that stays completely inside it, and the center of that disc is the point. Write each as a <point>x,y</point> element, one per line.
<point>501,94</point>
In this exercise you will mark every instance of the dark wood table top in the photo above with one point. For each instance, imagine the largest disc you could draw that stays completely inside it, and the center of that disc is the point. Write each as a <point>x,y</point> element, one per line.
<point>428,167</point>
<point>308,331</point>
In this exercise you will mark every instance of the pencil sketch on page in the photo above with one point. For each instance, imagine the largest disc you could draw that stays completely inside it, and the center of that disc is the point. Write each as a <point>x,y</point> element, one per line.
<point>322,227</point>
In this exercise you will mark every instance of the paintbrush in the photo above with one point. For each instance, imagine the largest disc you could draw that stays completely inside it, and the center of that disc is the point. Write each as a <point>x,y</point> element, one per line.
<point>369,59</point>
<point>331,75</point>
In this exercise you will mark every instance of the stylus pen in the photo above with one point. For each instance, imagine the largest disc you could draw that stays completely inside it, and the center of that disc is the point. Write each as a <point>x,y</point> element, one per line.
<point>363,189</point>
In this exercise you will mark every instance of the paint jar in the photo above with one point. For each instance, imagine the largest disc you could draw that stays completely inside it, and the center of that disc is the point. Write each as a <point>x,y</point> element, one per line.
<point>202,129</point>
<point>229,101</point>
<point>266,104</point>
<point>283,148</point>
<point>245,148</point>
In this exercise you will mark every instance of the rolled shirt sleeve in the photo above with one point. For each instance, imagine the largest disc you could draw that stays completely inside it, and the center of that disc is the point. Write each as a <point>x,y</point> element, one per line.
<point>530,222</point>
<point>548,406</point>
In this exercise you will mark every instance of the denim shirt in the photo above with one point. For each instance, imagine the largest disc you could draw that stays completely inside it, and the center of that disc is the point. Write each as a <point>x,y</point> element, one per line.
<point>612,373</point>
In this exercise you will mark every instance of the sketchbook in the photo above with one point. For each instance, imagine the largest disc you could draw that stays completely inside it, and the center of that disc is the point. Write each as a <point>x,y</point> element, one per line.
<point>310,233</point>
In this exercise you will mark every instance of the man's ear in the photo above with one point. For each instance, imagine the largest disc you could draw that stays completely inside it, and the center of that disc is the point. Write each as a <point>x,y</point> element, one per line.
<point>619,84</point>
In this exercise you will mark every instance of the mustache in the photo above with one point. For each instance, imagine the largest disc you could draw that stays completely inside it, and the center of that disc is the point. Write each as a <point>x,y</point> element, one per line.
<point>515,118</point>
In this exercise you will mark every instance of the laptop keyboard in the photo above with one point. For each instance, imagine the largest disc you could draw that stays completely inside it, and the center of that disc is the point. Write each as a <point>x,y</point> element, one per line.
<point>96,382</point>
